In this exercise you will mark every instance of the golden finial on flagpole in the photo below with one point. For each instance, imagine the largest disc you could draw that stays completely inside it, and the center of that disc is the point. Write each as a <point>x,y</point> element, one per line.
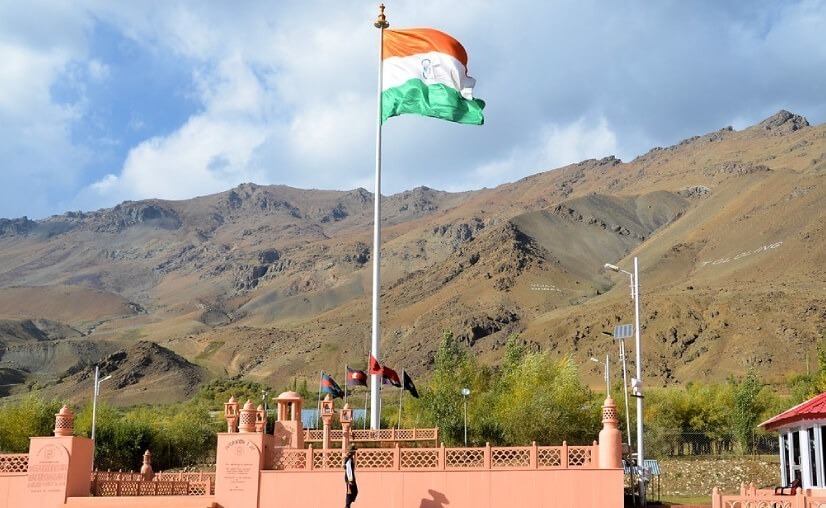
<point>381,20</point>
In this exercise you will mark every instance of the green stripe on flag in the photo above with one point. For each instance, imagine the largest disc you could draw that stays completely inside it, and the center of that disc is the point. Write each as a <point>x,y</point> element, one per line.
<point>438,101</point>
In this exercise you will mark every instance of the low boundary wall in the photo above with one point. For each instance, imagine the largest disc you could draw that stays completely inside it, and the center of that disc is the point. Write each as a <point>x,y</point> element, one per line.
<point>252,472</point>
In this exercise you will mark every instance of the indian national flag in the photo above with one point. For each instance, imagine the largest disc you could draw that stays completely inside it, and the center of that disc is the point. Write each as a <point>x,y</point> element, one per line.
<point>425,73</point>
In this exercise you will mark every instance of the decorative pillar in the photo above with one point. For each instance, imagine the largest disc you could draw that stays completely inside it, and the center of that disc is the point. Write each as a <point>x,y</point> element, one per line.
<point>231,413</point>
<point>288,430</point>
<point>146,469</point>
<point>64,422</point>
<point>346,419</point>
<point>246,422</point>
<point>327,419</point>
<point>261,419</point>
<point>610,437</point>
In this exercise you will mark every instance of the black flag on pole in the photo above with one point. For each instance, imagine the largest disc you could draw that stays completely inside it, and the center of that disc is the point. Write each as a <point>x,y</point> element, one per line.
<point>409,386</point>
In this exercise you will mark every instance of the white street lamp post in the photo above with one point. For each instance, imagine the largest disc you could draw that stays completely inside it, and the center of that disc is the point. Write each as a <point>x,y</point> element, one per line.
<point>98,381</point>
<point>607,376</point>
<point>465,393</point>
<point>636,383</point>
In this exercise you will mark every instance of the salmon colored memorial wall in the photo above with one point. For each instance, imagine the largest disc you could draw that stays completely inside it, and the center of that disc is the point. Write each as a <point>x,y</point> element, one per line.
<point>256,470</point>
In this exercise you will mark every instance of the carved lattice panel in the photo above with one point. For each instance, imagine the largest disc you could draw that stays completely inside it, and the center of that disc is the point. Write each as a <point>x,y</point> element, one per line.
<point>579,456</point>
<point>128,488</point>
<point>372,434</point>
<point>200,488</point>
<point>285,459</point>
<point>172,488</point>
<point>149,488</point>
<point>510,457</point>
<point>465,457</point>
<point>374,459</point>
<point>404,434</point>
<point>191,477</point>
<point>549,457</point>
<point>425,433</point>
<point>757,503</point>
<point>360,434</point>
<point>328,460</point>
<point>14,463</point>
<point>419,459</point>
<point>106,488</point>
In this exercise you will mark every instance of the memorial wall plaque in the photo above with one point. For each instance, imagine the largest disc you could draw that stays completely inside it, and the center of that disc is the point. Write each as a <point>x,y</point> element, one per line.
<point>237,473</point>
<point>48,472</point>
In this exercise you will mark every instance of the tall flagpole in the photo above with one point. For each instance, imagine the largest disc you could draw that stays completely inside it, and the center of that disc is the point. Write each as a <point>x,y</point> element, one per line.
<point>318,404</point>
<point>375,402</point>
<point>401,395</point>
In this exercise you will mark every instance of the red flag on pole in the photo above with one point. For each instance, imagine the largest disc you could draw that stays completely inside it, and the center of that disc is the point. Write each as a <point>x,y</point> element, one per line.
<point>375,368</point>
<point>390,377</point>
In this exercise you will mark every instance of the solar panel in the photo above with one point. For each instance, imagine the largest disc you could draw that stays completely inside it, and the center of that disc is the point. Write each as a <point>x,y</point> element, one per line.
<point>653,466</point>
<point>623,331</point>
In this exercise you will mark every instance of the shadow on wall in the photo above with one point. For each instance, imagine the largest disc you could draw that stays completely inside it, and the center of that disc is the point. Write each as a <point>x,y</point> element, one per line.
<point>439,500</point>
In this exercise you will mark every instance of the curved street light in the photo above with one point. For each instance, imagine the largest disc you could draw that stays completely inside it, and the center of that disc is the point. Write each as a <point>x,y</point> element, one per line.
<point>98,381</point>
<point>636,383</point>
<point>607,375</point>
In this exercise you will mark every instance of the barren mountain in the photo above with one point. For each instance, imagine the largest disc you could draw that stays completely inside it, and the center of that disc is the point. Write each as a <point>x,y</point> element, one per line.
<point>270,282</point>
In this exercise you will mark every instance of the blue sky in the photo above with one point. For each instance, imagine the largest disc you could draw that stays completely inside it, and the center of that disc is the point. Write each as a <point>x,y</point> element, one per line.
<point>103,101</point>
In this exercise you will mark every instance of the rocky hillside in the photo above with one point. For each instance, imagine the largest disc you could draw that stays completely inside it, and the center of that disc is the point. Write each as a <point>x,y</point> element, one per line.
<point>270,283</point>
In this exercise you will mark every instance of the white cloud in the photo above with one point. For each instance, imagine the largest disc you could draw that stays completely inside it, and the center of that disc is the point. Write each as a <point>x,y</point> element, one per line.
<point>205,156</point>
<point>575,142</point>
<point>98,71</point>
<point>285,93</point>
<point>554,146</point>
<point>39,160</point>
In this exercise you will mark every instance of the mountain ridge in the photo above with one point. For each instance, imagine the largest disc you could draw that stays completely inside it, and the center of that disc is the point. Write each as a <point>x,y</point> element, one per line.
<point>269,282</point>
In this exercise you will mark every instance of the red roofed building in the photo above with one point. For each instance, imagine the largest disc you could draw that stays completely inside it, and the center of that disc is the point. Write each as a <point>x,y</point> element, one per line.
<point>802,432</point>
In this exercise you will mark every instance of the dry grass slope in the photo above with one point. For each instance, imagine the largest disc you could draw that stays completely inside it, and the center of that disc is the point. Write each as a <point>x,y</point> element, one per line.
<point>270,282</point>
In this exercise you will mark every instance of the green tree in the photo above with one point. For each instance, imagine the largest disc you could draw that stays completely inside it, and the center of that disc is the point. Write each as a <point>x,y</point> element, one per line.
<point>120,441</point>
<point>184,436</point>
<point>218,391</point>
<point>698,411</point>
<point>514,353</point>
<point>544,400</point>
<point>746,409</point>
<point>441,403</point>
<point>30,416</point>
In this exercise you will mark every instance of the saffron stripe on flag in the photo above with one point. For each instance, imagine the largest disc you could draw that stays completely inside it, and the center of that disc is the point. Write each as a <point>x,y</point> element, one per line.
<point>413,41</point>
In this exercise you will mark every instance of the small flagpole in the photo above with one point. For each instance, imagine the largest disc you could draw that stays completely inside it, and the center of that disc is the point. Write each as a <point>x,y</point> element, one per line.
<point>346,379</point>
<point>401,395</point>
<point>318,404</point>
<point>375,408</point>
<point>364,422</point>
